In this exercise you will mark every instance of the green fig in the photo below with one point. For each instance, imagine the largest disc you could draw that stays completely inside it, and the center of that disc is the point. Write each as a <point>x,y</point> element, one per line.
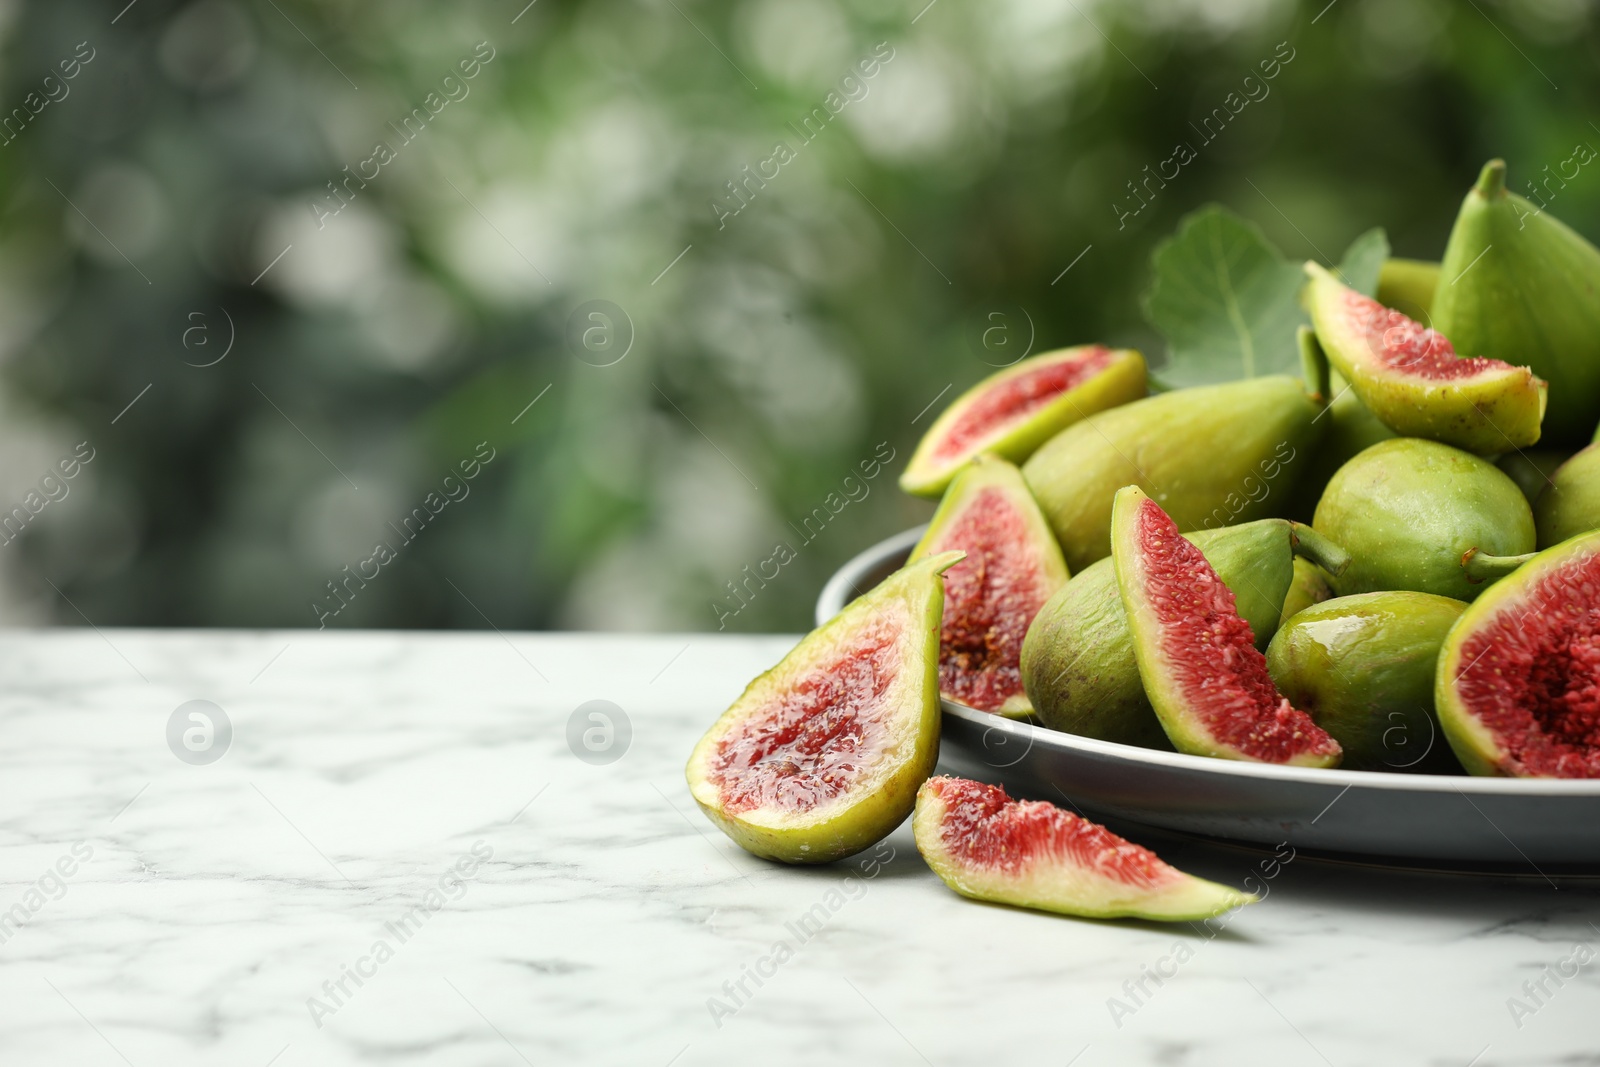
<point>1362,667</point>
<point>1206,679</point>
<point>1515,687</point>
<point>1032,854</point>
<point>1212,456</point>
<point>822,755</point>
<point>1013,566</point>
<point>1308,586</point>
<point>1420,515</point>
<point>1077,660</point>
<point>1407,285</point>
<point>1013,411</point>
<point>1519,286</point>
<point>1412,379</point>
<point>1570,504</point>
<point>1531,468</point>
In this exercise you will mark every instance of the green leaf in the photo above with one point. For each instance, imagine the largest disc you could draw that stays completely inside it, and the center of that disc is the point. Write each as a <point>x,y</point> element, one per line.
<point>1363,260</point>
<point>1226,301</point>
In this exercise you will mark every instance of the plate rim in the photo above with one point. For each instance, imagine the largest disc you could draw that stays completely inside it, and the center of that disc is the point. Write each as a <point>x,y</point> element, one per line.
<point>836,593</point>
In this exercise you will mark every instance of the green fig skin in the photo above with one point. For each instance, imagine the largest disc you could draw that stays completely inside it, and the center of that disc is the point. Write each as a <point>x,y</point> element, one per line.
<point>1531,469</point>
<point>990,472</point>
<point>1414,513</point>
<point>1363,668</point>
<point>1211,456</point>
<point>1518,285</point>
<point>1077,660</point>
<point>1308,586</point>
<point>1570,504</point>
<point>1489,411</point>
<point>1407,285</point>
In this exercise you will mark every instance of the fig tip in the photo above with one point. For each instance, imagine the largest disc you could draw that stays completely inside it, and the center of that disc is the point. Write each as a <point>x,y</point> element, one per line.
<point>1492,179</point>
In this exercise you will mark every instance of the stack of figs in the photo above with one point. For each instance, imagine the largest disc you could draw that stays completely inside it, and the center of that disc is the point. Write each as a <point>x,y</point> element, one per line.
<point>1389,563</point>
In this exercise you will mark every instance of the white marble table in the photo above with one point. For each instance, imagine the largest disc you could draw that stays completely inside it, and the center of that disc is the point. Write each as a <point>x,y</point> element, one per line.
<point>203,907</point>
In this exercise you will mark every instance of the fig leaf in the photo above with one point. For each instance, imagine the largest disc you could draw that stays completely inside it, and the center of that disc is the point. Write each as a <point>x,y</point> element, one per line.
<point>1227,301</point>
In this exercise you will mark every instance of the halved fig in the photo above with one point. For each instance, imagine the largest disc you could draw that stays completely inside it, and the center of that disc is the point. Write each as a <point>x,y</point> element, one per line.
<point>1518,682</point>
<point>1014,411</point>
<point>822,755</point>
<point>1204,675</point>
<point>1412,379</point>
<point>1013,566</point>
<point>1032,854</point>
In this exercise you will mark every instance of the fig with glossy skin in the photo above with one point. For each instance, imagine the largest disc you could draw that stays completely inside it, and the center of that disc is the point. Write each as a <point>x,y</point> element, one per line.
<point>1518,682</point>
<point>1308,587</point>
<point>1077,660</point>
<point>1570,503</point>
<point>1407,285</point>
<point>1423,516</point>
<point>1213,455</point>
<point>1014,411</point>
<point>1032,854</point>
<point>822,755</point>
<point>1362,667</point>
<point>1531,469</point>
<point>1517,285</point>
<point>1412,379</point>
<point>1013,566</point>
<point>1205,677</point>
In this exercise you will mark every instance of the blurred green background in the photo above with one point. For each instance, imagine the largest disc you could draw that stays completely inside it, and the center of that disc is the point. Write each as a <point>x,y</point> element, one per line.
<point>173,197</point>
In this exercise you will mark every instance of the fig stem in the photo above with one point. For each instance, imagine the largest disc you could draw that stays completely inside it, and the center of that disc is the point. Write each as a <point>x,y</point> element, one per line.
<point>1483,567</point>
<point>1492,179</point>
<point>1313,364</point>
<point>1309,544</point>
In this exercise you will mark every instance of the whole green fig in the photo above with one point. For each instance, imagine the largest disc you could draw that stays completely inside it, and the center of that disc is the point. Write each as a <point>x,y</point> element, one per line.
<point>1363,668</point>
<point>1519,286</point>
<point>1420,515</point>
<point>1211,456</point>
<point>1570,504</point>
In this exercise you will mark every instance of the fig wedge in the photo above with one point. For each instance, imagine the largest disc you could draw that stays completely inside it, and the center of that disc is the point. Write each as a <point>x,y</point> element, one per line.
<point>1032,854</point>
<point>1412,379</point>
<point>822,755</point>
<point>1013,566</point>
<point>1014,411</point>
<point>1201,669</point>
<point>1518,682</point>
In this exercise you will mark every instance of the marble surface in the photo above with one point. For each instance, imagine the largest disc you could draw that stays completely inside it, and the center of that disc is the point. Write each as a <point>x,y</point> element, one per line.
<point>418,792</point>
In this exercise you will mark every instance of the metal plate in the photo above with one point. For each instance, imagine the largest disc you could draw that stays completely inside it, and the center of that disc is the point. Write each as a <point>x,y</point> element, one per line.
<point>1404,819</point>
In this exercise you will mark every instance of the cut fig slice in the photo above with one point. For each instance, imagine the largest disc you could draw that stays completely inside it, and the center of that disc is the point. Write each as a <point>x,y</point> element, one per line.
<point>1518,683</point>
<point>1077,659</point>
<point>1013,566</point>
<point>1412,379</point>
<point>822,755</point>
<point>1014,411</point>
<point>1201,669</point>
<point>1032,854</point>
